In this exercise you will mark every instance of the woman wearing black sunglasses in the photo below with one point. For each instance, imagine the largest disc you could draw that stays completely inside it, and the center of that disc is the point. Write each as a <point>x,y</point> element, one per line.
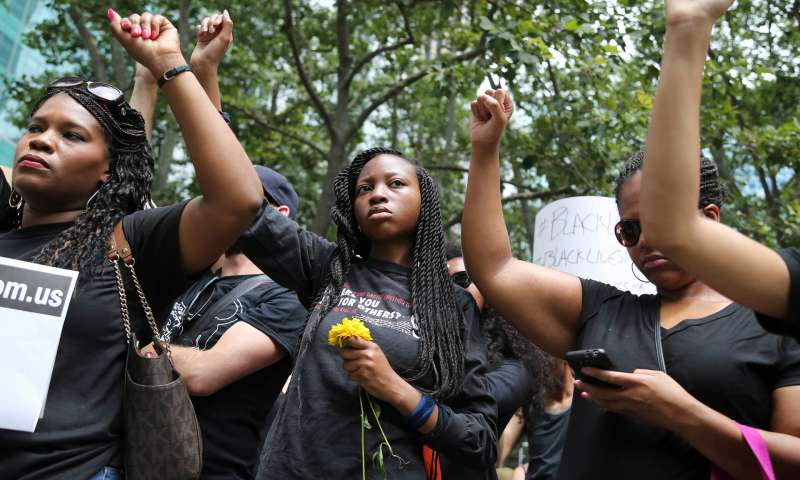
<point>84,165</point>
<point>699,362</point>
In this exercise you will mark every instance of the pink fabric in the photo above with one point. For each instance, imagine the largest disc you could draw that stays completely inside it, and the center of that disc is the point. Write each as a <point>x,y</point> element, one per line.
<point>759,448</point>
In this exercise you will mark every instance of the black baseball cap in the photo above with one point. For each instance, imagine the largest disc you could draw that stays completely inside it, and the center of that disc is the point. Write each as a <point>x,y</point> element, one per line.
<point>278,190</point>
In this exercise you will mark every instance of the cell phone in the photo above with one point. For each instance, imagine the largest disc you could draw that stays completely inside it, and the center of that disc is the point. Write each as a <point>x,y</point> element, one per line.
<point>595,358</point>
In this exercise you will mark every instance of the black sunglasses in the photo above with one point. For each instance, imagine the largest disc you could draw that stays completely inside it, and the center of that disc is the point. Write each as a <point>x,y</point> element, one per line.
<point>461,279</point>
<point>628,232</point>
<point>102,91</point>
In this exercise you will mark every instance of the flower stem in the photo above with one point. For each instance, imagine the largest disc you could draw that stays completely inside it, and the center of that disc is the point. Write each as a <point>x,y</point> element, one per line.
<point>377,420</point>
<point>363,460</point>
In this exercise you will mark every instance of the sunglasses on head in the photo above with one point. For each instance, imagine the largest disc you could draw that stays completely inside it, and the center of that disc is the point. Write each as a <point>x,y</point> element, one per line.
<point>628,232</point>
<point>101,91</point>
<point>461,279</point>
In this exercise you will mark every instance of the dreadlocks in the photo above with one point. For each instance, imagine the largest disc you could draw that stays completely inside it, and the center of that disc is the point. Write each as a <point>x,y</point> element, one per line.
<point>80,246</point>
<point>441,353</point>
<point>711,190</point>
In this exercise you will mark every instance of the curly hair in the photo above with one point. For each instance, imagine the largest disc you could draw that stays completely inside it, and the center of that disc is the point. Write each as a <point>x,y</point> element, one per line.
<point>82,245</point>
<point>441,349</point>
<point>711,190</point>
<point>504,342</point>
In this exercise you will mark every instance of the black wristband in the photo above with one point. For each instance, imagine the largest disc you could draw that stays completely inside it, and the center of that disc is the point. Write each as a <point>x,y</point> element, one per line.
<point>172,73</point>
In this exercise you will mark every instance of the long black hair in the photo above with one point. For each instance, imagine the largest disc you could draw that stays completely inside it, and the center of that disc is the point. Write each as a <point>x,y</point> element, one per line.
<point>127,189</point>
<point>441,352</point>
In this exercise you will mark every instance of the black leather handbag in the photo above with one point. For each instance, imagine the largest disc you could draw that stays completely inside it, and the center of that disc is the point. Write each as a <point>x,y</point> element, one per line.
<point>162,436</point>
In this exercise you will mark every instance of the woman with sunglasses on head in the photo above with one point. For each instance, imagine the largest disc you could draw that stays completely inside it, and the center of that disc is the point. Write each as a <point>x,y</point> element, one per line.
<point>83,166</point>
<point>425,365</point>
<point>765,280</point>
<point>699,361</point>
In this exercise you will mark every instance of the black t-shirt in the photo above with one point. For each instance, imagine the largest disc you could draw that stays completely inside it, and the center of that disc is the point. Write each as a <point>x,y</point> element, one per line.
<point>81,431</point>
<point>232,419</point>
<point>317,432</point>
<point>726,360</point>
<point>510,384</point>
<point>546,440</point>
<point>790,326</point>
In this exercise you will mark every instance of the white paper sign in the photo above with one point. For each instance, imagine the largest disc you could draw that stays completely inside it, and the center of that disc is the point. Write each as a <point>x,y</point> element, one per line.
<point>576,236</point>
<point>33,304</point>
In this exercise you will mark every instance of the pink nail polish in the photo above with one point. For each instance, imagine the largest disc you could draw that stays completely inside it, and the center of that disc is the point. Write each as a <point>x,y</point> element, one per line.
<point>136,31</point>
<point>125,23</point>
<point>111,13</point>
<point>153,35</point>
<point>146,33</point>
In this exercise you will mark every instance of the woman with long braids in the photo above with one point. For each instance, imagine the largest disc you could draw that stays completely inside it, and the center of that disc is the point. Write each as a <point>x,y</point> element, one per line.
<point>752,274</point>
<point>701,365</point>
<point>83,166</point>
<point>424,368</point>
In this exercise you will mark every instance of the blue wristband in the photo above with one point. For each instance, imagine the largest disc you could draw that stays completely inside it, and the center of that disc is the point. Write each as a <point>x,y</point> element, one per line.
<point>421,413</point>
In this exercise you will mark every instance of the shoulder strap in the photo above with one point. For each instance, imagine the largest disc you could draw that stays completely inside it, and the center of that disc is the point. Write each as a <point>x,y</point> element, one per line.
<point>118,246</point>
<point>238,291</point>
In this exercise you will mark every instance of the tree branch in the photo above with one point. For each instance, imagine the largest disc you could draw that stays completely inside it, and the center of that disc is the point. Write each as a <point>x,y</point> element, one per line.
<point>540,195</point>
<point>263,124</point>
<point>454,168</point>
<point>399,87</point>
<point>409,40</point>
<point>97,59</point>
<point>288,28</point>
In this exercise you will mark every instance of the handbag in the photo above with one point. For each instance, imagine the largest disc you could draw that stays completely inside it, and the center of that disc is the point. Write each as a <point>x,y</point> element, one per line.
<point>759,448</point>
<point>162,436</point>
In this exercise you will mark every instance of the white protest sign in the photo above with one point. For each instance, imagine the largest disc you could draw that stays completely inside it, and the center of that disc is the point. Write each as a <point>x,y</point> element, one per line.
<point>33,304</point>
<point>576,236</point>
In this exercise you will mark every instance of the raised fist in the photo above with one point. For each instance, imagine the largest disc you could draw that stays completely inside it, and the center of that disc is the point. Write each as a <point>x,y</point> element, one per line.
<point>149,39</point>
<point>490,115</point>
<point>214,39</point>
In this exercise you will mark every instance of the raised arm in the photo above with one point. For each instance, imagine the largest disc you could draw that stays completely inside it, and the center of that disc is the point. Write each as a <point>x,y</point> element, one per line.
<point>214,39</point>
<point>232,193</point>
<point>736,266</point>
<point>144,96</point>
<point>543,304</point>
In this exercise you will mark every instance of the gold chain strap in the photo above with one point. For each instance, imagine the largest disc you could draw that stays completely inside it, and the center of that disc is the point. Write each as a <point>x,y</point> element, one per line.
<point>123,300</point>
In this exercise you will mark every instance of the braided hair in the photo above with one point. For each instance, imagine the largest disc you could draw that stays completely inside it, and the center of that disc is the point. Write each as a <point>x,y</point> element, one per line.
<point>82,245</point>
<point>711,190</point>
<point>441,351</point>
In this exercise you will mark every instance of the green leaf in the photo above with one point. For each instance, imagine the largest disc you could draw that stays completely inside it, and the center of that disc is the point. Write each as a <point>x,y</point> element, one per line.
<point>571,25</point>
<point>377,460</point>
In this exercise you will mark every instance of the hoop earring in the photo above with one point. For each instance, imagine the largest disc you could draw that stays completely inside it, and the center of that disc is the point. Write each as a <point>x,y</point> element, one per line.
<point>88,202</point>
<point>633,271</point>
<point>15,200</point>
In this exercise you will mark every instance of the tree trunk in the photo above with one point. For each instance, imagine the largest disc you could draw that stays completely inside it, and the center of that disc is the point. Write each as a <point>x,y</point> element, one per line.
<point>337,159</point>
<point>166,153</point>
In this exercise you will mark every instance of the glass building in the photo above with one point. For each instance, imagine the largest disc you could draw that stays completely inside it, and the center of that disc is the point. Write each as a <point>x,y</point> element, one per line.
<point>17,17</point>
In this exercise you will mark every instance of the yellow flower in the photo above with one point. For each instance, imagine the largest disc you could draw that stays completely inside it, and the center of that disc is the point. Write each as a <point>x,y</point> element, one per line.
<point>348,327</point>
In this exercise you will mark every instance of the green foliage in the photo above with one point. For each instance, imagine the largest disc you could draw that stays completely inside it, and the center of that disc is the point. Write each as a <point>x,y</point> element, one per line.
<point>583,74</point>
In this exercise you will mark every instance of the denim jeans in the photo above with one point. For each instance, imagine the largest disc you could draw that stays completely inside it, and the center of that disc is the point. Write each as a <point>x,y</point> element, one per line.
<point>107,473</point>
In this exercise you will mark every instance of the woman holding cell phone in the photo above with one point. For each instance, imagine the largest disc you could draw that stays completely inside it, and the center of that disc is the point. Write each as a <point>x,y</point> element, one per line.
<point>699,362</point>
